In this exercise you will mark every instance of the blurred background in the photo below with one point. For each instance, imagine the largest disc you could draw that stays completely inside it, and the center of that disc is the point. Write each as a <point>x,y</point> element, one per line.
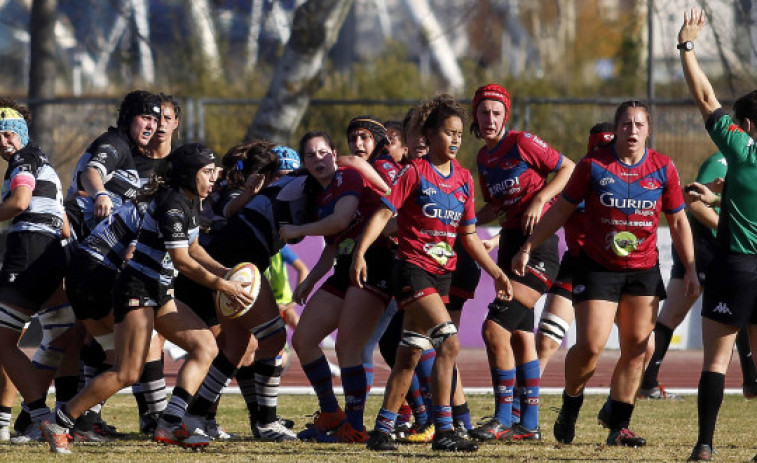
<point>276,68</point>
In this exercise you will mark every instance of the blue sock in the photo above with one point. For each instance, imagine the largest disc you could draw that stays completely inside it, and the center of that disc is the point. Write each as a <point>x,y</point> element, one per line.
<point>442,417</point>
<point>355,384</point>
<point>368,368</point>
<point>415,400</point>
<point>462,412</point>
<point>517,395</point>
<point>319,375</point>
<point>423,372</point>
<point>385,421</point>
<point>529,414</point>
<point>503,382</point>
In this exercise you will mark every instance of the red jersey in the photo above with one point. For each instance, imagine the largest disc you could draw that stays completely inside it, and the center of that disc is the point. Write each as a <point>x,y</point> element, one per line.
<point>514,171</point>
<point>348,182</point>
<point>431,207</point>
<point>623,205</point>
<point>387,168</point>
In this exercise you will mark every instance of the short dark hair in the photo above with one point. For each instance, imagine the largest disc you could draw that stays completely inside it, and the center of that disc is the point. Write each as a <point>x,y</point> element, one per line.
<point>746,107</point>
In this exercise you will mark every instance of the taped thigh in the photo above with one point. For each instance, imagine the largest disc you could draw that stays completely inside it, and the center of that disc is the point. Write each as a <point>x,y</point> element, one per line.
<point>441,332</point>
<point>553,327</point>
<point>269,328</point>
<point>415,340</point>
<point>13,319</point>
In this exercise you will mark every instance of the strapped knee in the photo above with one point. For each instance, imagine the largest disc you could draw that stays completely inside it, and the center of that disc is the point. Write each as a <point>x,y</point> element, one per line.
<point>47,357</point>
<point>553,327</point>
<point>55,321</point>
<point>13,319</point>
<point>441,332</point>
<point>415,340</point>
<point>271,327</point>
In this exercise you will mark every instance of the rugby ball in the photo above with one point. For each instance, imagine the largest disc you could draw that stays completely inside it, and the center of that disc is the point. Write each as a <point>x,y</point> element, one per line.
<point>244,272</point>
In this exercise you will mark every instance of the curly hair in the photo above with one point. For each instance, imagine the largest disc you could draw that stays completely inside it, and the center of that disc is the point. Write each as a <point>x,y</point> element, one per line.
<point>8,102</point>
<point>430,114</point>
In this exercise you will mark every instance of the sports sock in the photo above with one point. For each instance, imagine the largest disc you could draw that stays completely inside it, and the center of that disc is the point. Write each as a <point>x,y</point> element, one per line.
<point>423,372</point>
<point>503,382</point>
<point>385,421</point>
<point>709,399</point>
<point>152,384</point>
<point>414,398</point>
<point>620,415</point>
<point>267,381</point>
<point>748,370</point>
<point>246,381</point>
<point>177,406</point>
<point>355,384</point>
<point>319,375</point>
<point>219,376</point>
<point>442,418</point>
<point>529,377</point>
<point>462,412</point>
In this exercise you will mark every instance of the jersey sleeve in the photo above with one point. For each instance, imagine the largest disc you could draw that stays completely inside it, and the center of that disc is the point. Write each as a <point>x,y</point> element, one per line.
<point>386,169</point>
<point>672,198</point>
<point>287,255</point>
<point>173,225</point>
<point>735,144</point>
<point>407,180</point>
<point>469,210</point>
<point>104,159</point>
<point>349,183</point>
<point>713,167</point>
<point>22,169</point>
<point>578,184</point>
<point>536,152</point>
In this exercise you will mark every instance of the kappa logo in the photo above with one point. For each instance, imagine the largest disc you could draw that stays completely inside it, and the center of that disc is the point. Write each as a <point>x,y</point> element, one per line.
<point>430,191</point>
<point>578,289</point>
<point>722,308</point>
<point>540,267</point>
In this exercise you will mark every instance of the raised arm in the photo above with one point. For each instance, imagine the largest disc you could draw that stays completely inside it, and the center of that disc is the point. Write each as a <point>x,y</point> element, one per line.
<point>699,86</point>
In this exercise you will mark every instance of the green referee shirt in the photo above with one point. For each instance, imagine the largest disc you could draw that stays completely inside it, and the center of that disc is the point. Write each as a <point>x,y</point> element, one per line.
<point>737,229</point>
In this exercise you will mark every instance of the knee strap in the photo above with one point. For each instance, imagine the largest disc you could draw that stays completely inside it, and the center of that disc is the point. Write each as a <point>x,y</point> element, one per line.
<point>553,327</point>
<point>13,319</point>
<point>415,340</point>
<point>55,321</point>
<point>107,341</point>
<point>441,332</point>
<point>269,328</point>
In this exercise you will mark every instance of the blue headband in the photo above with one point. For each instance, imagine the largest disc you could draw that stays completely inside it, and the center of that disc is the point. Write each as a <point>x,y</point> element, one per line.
<point>10,123</point>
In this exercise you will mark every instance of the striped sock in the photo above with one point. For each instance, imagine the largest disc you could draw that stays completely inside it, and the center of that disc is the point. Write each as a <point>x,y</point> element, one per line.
<point>530,377</point>
<point>503,381</point>
<point>267,381</point>
<point>177,406</point>
<point>319,375</point>
<point>355,383</point>
<point>442,417</point>
<point>385,421</point>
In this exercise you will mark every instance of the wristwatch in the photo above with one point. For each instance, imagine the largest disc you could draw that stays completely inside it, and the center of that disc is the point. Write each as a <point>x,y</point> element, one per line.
<point>686,46</point>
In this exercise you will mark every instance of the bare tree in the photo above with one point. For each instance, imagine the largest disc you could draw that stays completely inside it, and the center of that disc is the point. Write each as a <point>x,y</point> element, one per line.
<point>296,78</point>
<point>42,72</point>
<point>202,22</point>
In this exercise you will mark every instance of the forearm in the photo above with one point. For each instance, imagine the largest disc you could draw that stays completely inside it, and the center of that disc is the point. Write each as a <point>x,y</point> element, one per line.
<point>555,186</point>
<point>92,182</point>
<point>472,243</point>
<point>680,233</point>
<point>704,215</point>
<point>201,256</point>
<point>553,219</point>
<point>324,264</point>
<point>366,170</point>
<point>197,273</point>
<point>237,204</point>
<point>373,229</point>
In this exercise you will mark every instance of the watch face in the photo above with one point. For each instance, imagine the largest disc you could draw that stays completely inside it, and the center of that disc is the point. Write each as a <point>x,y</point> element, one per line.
<point>688,46</point>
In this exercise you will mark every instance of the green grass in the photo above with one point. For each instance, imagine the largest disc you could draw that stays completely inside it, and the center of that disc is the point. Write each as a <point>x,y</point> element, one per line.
<point>669,426</point>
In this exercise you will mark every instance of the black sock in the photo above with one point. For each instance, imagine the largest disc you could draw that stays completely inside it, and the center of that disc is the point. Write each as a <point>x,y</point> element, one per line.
<point>246,380</point>
<point>662,337</point>
<point>63,418</point>
<point>620,415</point>
<point>572,405</point>
<point>709,399</point>
<point>66,388</point>
<point>748,370</point>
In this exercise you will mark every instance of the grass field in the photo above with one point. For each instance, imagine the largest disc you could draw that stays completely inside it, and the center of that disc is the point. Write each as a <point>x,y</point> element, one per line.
<point>669,426</point>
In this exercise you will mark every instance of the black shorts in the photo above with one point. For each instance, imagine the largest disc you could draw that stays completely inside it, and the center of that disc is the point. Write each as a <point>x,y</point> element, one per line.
<point>592,282</point>
<point>199,298</point>
<point>465,278</point>
<point>89,286</point>
<point>379,262</point>
<point>412,283</point>
<point>563,284</point>
<point>133,291</point>
<point>543,261</point>
<point>33,267</point>
<point>730,296</point>
<point>704,253</point>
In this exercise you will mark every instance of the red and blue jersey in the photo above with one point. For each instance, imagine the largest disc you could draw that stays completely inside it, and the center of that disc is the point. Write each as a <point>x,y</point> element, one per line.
<point>623,205</point>
<point>387,168</point>
<point>574,230</point>
<point>430,208</point>
<point>348,182</point>
<point>514,171</point>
